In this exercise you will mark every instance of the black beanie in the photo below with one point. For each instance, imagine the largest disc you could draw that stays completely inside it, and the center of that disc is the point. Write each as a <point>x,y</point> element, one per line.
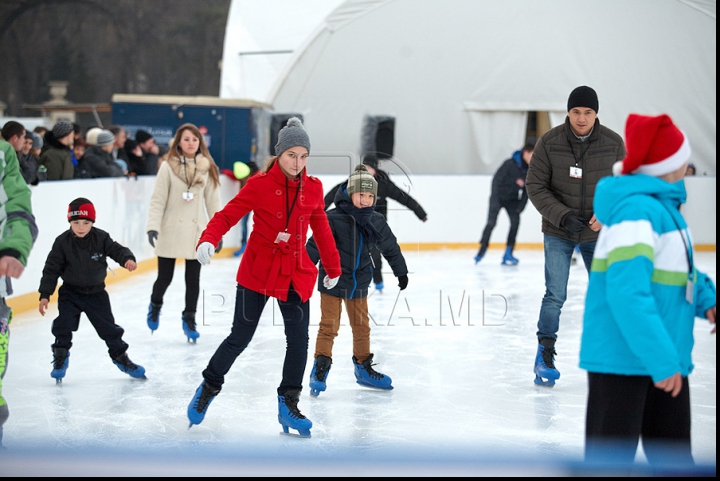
<point>142,136</point>
<point>81,208</point>
<point>583,97</point>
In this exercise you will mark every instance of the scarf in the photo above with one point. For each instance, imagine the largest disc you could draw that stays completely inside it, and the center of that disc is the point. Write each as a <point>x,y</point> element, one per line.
<point>362,217</point>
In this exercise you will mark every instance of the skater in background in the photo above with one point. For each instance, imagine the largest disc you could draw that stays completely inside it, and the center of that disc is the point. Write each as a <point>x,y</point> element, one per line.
<point>386,190</point>
<point>285,201</point>
<point>186,195</point>
<point>17,237</point>
<point>567,163</point>
<point>508,192</point>
<point>79,256</point>
<point>357,228</point>
<point>644,294</point>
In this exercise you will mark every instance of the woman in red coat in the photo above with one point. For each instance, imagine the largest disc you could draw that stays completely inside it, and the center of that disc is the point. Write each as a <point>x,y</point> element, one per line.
<point>285,201</point>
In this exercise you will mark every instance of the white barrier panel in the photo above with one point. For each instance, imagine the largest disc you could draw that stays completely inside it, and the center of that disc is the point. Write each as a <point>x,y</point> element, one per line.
<point>456,206</point>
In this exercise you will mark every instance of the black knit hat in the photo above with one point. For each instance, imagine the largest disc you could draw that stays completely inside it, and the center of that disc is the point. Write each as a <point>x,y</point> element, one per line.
<point>81,208</point>
<point>583,97</point>
<point>142,136</point>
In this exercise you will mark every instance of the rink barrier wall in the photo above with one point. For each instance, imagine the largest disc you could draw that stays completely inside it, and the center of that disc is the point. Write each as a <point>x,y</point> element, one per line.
<point>456,206</point>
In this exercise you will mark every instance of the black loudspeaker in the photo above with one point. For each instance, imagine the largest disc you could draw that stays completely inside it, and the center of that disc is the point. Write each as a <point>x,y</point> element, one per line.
<point>276,124</point>
<point>378,136</point>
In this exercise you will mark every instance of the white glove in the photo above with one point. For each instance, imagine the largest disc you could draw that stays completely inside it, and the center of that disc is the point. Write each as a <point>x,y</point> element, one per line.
<point>204,252</point>
<point>330,283</point>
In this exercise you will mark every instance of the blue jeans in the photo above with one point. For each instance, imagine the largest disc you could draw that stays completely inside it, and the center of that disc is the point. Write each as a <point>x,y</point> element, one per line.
<point>558,254</point>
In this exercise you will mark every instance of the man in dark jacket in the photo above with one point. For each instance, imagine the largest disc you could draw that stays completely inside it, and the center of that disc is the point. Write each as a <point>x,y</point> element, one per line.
<point>508,192</point>
<point>567,164</point>
<point>386,189</point>
<point>98,161</point>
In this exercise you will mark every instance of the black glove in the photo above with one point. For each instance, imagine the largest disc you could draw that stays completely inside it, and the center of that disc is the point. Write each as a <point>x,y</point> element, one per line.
<point>402,282</point>
<point>219,247</point>
<point>152,236</point>
<point>574,224</point>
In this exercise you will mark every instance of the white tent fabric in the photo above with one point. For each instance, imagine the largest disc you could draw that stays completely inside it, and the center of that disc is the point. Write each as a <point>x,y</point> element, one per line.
<point>443,69</point>
<point>259,40</point>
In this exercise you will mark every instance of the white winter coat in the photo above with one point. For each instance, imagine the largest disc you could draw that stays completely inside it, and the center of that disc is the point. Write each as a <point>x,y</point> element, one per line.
<point>180,222</point>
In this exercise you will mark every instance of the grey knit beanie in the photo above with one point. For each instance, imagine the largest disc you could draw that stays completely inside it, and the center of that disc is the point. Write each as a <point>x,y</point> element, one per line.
<point>362,181</point>
<point>62,128</point>
<point>36,139</point>
<point>105,137</point>
<point>292,135</point>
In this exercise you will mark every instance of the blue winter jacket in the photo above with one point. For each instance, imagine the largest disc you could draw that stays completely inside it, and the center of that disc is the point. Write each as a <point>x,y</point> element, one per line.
<point>637,318</point>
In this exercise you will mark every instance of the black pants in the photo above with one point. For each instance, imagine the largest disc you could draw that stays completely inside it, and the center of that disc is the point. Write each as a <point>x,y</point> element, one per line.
<point>623,409</point>
<point>97,309</point>
<point>166,269</point>
<point>248,308</point>
<point>495,206</point>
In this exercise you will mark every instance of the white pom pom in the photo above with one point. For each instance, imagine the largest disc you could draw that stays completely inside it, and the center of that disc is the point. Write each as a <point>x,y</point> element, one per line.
<point>294,122</point>
<point>617,168</point>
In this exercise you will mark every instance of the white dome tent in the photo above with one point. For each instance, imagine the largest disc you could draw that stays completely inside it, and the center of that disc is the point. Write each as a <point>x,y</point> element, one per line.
<point>460,77</point>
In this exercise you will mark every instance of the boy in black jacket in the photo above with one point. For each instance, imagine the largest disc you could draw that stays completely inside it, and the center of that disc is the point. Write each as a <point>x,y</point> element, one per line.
<point>79,256</point>
<point>508,192</point>
<point>357,228</point>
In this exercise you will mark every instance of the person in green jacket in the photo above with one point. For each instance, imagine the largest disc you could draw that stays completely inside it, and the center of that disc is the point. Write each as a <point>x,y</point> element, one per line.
<point>18,232</point>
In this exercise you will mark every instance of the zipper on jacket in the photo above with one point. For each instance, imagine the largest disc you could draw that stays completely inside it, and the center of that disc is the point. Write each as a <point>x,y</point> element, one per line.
<point>357,264</point>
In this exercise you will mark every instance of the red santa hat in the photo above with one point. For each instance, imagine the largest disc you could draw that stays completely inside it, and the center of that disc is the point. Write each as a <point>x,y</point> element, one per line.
<point>655,146</point>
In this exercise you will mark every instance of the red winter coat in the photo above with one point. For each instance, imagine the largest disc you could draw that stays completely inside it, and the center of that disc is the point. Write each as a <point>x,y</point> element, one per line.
<point>266,266</point>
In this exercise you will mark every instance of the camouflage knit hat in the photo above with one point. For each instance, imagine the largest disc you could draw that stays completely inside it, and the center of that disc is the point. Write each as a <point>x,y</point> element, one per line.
<point>362,181</point>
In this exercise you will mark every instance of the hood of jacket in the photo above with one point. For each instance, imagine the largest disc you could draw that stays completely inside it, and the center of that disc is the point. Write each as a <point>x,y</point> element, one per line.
<point>612,190</point>
<point>193,172</point>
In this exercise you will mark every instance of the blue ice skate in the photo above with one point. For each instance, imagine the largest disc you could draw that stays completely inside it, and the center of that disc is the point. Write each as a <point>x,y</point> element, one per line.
<point>189,326</point>
<point>124,363</point>
<point>480,254</point>
<point>241,250</point>
<point>200,402</point>
<point>290,417</point>
<point>153,316</point>
<point>365,375</point>
<point>545,372</point>
<point>60,364</point>
<point>508,259</point>
<point>379,286</point>
<point>319,374</point>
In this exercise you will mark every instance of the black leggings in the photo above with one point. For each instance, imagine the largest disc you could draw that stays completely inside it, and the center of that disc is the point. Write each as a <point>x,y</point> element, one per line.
<point>166,269</point>
<point>249,306</point>
<point>623,409</point>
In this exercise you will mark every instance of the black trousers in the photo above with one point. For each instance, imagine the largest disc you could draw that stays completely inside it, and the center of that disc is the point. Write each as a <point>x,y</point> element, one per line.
<point>621,410</point>
<point>97,309</point>
<point>495,206</point>
<point>249,306</point>
<point>166,269</point>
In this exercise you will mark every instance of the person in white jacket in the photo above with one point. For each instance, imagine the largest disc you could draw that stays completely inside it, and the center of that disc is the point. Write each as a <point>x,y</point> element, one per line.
<point>185,197</point>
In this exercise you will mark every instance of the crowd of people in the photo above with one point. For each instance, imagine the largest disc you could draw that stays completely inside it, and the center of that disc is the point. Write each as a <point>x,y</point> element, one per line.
<point>64,152</point>
<point>616,201</point>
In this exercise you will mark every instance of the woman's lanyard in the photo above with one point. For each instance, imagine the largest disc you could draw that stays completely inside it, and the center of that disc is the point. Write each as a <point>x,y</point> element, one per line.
<point>285,236</point>
<point>188,196</point>
<point>689,287</point>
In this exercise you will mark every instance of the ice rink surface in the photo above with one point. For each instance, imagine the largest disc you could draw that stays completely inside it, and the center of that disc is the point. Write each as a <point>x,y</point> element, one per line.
<point>459,344</point>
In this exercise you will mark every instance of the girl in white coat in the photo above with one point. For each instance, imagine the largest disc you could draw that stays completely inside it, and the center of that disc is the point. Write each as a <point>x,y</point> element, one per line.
<point>186,195</point>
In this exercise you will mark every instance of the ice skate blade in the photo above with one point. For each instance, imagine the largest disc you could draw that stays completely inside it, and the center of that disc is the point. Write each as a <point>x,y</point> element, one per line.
<point>539,382</point>
<point>389,388</point>
<point>58,382</point>
<point>299,434</point>
<point>315,392</point>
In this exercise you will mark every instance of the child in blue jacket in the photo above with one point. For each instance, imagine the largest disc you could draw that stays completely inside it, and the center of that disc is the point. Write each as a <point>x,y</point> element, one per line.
<point>643,297</point>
